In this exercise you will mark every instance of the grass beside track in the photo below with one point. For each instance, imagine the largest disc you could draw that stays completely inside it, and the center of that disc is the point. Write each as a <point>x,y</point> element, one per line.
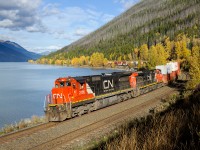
<point>25,123</point>
<point>177,127</point>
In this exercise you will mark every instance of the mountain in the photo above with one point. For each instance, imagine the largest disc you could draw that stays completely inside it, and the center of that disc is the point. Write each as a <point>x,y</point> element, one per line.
<point>146,22</point>
<point>45,53</point>
<point>13,52</point>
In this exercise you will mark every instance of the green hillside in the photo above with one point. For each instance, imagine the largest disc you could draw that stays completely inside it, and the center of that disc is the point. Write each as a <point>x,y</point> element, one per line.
<point>147,22</point>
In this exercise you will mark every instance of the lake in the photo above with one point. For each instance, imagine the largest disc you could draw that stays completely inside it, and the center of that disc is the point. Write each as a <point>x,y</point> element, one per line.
<point>23,88</point>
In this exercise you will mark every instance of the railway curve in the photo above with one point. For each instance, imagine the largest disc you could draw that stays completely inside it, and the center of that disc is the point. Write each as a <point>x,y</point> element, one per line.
<point>64,135</point>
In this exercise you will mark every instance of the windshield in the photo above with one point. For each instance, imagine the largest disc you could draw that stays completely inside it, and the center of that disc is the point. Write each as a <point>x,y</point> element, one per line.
<point>62,84</point>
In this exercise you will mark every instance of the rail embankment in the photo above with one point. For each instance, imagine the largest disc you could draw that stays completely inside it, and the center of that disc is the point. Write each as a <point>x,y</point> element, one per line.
<point>174,125</point>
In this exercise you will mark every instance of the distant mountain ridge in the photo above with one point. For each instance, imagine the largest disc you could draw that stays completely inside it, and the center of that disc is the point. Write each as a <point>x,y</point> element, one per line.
<point>45,53</point>
<point>13,52</point>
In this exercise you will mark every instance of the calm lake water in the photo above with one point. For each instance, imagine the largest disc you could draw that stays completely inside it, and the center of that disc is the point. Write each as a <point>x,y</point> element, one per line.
<point>23,87</point>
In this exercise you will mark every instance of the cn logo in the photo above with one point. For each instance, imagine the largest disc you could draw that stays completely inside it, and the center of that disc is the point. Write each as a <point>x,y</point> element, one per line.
<point>58,95</point>
<point>107,84</point>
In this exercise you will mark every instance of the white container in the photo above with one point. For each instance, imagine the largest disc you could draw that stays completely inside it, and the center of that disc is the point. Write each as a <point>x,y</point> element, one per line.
<point>169,68</point>
<point>176,65</point>
<point>163,68</point>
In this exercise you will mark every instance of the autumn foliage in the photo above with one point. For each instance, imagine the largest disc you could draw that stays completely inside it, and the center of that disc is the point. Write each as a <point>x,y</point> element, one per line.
<point>182,48</point>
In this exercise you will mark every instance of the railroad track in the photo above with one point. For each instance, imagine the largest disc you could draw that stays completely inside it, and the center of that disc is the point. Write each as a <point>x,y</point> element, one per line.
<point>70,130</point>
<point>25,132</point>
<point>112,120</point>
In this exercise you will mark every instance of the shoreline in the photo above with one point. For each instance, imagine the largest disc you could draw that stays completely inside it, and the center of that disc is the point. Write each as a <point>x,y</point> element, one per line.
<point>123,68</point>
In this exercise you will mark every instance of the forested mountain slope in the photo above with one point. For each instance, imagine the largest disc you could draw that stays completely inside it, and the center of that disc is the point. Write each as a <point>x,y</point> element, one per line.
<point>147,22</point>
<point>13,52</point>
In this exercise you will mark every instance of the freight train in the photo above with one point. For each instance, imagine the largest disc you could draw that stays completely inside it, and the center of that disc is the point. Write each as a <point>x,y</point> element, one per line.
<point>75,96</point>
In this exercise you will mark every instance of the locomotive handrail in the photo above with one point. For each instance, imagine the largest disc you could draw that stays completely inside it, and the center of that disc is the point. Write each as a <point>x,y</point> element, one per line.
<point>47,101</point>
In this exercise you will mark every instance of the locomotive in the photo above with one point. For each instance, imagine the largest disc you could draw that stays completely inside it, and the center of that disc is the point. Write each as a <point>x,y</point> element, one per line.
<point>75,96</point>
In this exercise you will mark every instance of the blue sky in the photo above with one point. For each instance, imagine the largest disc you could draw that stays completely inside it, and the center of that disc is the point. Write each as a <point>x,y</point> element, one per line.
<point>48,25</point>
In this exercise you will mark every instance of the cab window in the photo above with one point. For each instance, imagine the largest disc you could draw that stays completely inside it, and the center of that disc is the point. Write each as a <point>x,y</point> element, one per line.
<point>68,84</point>
<point>56,86</point>
<point>62,84</point>
<point>81,86</point>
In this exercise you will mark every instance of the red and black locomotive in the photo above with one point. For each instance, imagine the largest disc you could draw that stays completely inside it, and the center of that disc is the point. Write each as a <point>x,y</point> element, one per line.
<point>74,96</point>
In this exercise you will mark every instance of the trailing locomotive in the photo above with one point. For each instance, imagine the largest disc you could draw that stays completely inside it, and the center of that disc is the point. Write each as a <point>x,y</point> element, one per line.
<point>75,96</point>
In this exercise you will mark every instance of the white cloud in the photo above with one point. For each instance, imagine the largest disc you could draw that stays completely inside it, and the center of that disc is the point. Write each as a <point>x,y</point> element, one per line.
<point>50,9</point>
<point>13,4</point>
<point>7,38</point>
<point>24,5</point>
<point>72,23</point>
<point>6,23</point>
<point>93,14</point>
<point>37,24</point>
<point>50,48</point>
<point>19,14</point>
<point>11,14</point>
<point>53,47</point>
<point>36,28</point>
<point>32,16</point>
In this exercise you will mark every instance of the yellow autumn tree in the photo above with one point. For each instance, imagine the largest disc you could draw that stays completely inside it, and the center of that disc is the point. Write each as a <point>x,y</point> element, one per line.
<point>182,52</point>
<point>136,50</point>
<point>50,61</point>
<point>130,56</point>
<point>139,65</point>
<point>82,60</point>
<point>66,62</point>
<point>97,59</point>
<point>144,52</point>
<point>111,57</point>
<point>113,65</point>
<point>75,61</point>
<point>162,55</point>
<point>105,62</point>
<point>178,50</point>
<point>42,61</point>
<point>185,51</point>
<point>31,61</point>
<point>153,56</point>
<point>169,47</point>
<point>58,62</point>
<point>194,70</point>
<point>119,58</point>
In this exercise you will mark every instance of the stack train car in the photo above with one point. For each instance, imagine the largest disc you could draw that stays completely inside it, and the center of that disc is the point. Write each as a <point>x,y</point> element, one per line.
<point>75,96</point>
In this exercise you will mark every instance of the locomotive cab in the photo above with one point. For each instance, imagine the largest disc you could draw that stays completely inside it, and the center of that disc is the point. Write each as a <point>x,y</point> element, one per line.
<point>62,92</point>
<point>70,90</point>
<point>66,94</point>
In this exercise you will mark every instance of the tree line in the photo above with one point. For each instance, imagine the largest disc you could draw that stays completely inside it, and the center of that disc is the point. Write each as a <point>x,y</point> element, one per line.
<point>183,49</point>
<point>156,54</point>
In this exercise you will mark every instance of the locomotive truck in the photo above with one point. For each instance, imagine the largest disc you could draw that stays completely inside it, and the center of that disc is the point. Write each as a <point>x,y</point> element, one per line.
<point>75,96</point>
